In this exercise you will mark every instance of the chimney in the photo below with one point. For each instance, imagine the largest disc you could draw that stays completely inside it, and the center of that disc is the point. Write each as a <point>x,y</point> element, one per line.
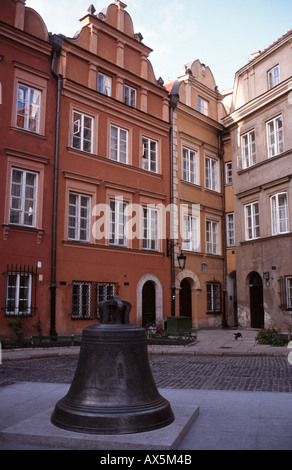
<point>255,54</point>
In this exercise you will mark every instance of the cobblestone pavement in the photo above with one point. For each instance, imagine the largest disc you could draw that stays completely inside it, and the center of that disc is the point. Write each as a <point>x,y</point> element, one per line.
<point>270,374</point>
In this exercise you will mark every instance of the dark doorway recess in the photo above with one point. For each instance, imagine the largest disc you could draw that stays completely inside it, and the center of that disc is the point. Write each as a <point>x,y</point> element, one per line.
<point>256,301</point>
<point>148,303</point>
<point>185,298</point>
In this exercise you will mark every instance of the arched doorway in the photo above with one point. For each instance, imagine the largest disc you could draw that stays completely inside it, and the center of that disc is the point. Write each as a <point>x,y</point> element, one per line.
<point>148,303</point>
<point>185,298</point>
<point>256,296</point>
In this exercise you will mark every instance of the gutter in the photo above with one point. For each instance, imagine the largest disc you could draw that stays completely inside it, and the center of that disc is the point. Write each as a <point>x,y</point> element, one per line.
<point>57,42</point>
<point>224,320</point>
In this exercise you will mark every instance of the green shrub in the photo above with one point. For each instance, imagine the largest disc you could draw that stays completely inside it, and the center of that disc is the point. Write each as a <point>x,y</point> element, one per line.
<point>272,337</point>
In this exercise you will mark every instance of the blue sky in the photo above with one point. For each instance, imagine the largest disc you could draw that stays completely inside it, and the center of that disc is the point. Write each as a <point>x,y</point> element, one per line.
<point>220,34</point>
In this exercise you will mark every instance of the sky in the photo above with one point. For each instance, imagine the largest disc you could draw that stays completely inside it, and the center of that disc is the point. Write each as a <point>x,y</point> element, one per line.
<point>222,35</point>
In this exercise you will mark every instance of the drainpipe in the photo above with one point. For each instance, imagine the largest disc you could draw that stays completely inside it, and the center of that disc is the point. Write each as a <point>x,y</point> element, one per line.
<point>56,41</point>
<point>224,320</point>
<point>174,99</point>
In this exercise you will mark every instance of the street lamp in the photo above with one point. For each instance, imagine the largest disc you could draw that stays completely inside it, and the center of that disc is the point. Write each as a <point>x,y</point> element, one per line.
<point>181,262</point>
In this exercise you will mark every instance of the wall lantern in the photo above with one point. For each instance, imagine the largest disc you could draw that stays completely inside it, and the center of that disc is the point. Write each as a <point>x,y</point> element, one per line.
<point>181,257</point>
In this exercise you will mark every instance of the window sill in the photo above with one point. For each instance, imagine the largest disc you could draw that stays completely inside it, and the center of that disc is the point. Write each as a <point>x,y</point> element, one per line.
<point>22,228</point>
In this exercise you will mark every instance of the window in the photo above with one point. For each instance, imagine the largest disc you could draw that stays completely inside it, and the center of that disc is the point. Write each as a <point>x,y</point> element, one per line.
<point>81,300</point>
<point>28,108</point>
<point>230,230</point>
<point>118,144</point>
<point>274,77</point>
<point>279,213</point>
<point>189,165</point>
<point>23,198</point>
<point>252,221</point>
<point>248,149</point>
<point>149,158</point>
<point>19,293</point>
<point>104,85</point>
<point>130,95</point>
<point>211,174</point>
<point>228,169</point>
<point>203,106</point>
<point>212,237</point>
<point>275,136</point>
<point>79,217</point>
<point>191,242</point>
<point>118,219</point>
<point>150,228</point>
<point>286,292</point>
<point>82,132</point>
<point>213,297</point>
<point>105,291</point>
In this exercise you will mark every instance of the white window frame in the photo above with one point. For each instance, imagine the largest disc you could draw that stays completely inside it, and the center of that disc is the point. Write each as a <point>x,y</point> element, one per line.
<point>149,154</point>
<point>203,106</point>
<point>150,229</point>
<point>230,229</point>
<point>30,111</point>
<point>130,96</point>
<point>248,149</point>
<point>79,218</point>
<point>189,166</point>
<point>190,231</point>
<point>20,204</point>
<point>16,288</point>
<point>104,84</point>
<point>279,213</point>
<point>275,136</point>
<point>118,222</point>
<point>228,173</point>
<point>81,286</point>
<point>273,77</point>
<point>252,221</point>
<point>119,144</point>
<point>212,237</point>
<point>82,131</point>
<point>211,173</point>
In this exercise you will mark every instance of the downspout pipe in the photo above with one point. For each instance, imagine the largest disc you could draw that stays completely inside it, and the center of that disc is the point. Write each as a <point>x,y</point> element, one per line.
<point>57,42</point>
<point>174,99</point>
<point>220,152</point>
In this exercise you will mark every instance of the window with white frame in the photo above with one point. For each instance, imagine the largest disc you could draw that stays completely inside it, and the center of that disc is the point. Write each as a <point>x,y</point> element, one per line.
<point>230,229</point>
<point>105,291</point>
<point>274,76</point>
<point>23,198</point>
<point>28,108</point>
<point>275,137</point>
<point>19,293</point>
<point>211,173</point>
<point>203,106</point>
<point>228,173</point>
<point>150,228</point>
<point>189,173</point>
<point>212,237</point>
<point>104,84</point>
<point>213,297</point>
<point>248,149</point>
<point>252,221</point>
<point>79,217</point>
<point>190,231</point>
<point>130,96</point>
<point>82,135</point>
<point>279,213</point>
<point>118,220</point>
<point>81,300</point>
<point>149,156</point>
<point>288,282</point>
<point>118,144</point>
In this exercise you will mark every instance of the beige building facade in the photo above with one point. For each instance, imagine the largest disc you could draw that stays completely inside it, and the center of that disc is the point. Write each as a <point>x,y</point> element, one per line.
<point>260,123</point>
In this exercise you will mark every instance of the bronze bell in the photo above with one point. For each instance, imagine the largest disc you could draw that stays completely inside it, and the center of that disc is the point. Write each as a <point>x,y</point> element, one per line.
<point>113,390</point>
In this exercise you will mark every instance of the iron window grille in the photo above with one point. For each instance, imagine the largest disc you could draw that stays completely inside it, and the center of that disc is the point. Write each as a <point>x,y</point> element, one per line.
<point>20,290</point>
<point>86,297</point>
<point>285,292</point>
<point>214,297</point>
